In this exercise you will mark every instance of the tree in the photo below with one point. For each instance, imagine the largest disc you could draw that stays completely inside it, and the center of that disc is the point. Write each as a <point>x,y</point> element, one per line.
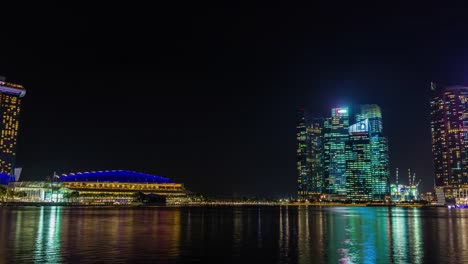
<point>74,196</point>
<point>10,193</point>
<point>3,192</point>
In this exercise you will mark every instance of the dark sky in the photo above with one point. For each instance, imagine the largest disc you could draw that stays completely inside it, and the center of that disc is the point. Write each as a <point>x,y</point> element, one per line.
<point>208,94</point>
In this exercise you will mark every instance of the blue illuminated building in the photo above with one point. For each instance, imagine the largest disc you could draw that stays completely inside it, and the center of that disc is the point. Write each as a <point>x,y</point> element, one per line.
<point>113,176</point>
<point>4,178</point>
<point>100,187</point>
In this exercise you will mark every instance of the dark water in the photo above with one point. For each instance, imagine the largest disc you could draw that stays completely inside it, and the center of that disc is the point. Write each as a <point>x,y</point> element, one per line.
<point>233,235</point>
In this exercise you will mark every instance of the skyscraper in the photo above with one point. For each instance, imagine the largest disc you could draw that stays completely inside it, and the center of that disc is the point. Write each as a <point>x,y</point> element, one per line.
<point>380,161</point>
<point>10,99</point>
<point>359,180</point>
<point>367,164</point>
<point>334,154</point>
<point>341,160</point>
<point>316,158</point>
<point>309,157</point>
<point>449,130</point>
<point>303,155</point>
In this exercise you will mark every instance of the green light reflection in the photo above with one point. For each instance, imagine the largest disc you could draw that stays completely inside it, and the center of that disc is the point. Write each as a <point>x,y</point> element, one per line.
<point>47,246</point>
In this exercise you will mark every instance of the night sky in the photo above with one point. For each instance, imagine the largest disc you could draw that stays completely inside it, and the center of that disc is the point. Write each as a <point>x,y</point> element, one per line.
<point>207,95</point>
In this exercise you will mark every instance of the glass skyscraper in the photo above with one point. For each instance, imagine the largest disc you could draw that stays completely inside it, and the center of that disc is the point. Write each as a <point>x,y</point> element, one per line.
<point>303,156</point>
<point>341,160</point>
<point>373,164</point>
<point>10,99</point>
<point>309,157</point>
<point>359,180</point>
<point>449,130</point>
<point>334,154</point>
<point>316,157</point>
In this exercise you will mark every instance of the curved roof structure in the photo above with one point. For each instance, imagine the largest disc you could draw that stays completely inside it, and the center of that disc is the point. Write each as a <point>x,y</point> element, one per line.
<point>113,176</point>
<point>12,88</point>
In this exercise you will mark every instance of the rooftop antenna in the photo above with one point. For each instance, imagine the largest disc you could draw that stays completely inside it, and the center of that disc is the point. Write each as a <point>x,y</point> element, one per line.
<point>414,177</point>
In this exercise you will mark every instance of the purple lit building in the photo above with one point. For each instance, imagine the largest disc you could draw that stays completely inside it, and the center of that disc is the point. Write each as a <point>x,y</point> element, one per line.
<point>449,129</point>
<point>10,101</point>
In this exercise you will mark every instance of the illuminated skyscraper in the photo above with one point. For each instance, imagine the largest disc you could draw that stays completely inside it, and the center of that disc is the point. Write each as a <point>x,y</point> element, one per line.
<point>316,158</point>
<point>367,164</point>
<point>10,99</point>
<point>303,156</point>
<point>380,161</point>
<point>341,160</point>
<point>309,157</point>
<point>358,162</point>
<point>449,130</point>
<point>334,154</point>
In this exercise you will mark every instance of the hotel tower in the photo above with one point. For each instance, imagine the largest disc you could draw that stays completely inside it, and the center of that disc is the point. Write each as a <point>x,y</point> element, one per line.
<point>449,130</point>
<point>10,101</point>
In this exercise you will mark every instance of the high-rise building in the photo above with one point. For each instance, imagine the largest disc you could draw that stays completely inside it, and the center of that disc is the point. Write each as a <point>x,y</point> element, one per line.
<point>449,130</point>
<point>316,158</point>
<point>378,146</point>
<point>303,155</point>
<point>309,157</point>
<point>343,161</point>
<point>380,166</point>
<point>359,177</point>
<point>367,164</point>
<point>334,155</point>
<point>10,99</point>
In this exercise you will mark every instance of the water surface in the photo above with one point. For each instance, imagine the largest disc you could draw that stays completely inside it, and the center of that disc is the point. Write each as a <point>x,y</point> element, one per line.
<point>269,234</point>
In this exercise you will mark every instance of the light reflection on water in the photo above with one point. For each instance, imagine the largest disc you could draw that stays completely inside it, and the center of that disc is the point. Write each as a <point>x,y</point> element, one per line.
<point>47,243</point>
<point>275,234</point>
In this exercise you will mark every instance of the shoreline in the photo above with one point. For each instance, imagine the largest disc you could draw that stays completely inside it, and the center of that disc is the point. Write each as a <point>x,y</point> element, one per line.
<point>40,204</point>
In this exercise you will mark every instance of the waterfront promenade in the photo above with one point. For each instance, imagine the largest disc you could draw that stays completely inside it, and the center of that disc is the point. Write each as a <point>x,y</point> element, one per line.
<point>224,203</point>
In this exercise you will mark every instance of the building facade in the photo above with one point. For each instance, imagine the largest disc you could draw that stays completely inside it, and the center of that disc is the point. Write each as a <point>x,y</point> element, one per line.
<point>449,131</point>
<point>99,187</point>
<point>359,180</point>
<point>335,137</point>
<point>10,102</point>
<point>316,158</point>
<point>343,161</point>
<point>303,156</point>
<point>378,147</point>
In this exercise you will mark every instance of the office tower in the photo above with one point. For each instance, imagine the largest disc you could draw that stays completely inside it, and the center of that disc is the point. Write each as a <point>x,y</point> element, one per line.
<point>343,161</point>
<point>316,159</point>
<point>373,113</point>
<point>380,161</point>
<point>334,155</point>
<point>359,178</point>
<point>309,157</point>
<point>449,128</point>
<point>10,99</point>
<point>303,155</point>
<point>380,166</point>
<point>367,164</point>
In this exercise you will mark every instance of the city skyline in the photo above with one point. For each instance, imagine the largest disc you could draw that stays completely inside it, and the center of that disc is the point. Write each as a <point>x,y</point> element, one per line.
<point>229,132</point>
<point>209,97</point>
<point>343,156</point>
